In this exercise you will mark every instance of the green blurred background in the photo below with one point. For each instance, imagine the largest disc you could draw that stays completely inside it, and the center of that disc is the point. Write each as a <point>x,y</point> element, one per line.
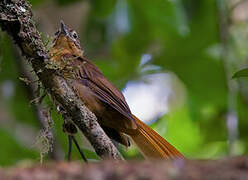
<point>173,60</point>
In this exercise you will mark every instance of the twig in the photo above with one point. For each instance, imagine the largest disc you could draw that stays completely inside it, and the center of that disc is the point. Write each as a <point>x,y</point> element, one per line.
<point>43,114</point>
<point>231,118</point>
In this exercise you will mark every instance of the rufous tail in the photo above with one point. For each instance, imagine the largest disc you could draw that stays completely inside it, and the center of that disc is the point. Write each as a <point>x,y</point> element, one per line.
<point>152,145</point>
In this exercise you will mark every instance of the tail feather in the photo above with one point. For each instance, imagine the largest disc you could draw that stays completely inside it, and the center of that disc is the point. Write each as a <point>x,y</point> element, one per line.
<point>152,145</point>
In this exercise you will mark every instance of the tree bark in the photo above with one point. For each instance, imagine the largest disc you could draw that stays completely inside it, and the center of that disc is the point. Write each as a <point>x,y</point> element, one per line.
<point>227,169</point>
<point>16,19</point>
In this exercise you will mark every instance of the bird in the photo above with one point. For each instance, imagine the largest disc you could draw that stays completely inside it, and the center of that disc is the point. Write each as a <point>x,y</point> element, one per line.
<point>102,98</point>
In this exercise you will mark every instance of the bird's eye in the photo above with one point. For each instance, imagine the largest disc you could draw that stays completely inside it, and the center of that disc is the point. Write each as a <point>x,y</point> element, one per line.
<point>74,34</point>
<point>57,33</point>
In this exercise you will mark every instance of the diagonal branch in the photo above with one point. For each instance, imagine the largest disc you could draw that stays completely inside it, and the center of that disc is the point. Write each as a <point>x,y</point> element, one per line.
<point>16,19</point>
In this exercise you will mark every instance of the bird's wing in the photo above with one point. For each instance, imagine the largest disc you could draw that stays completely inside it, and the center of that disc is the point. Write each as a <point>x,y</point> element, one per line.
<point>93,78</point>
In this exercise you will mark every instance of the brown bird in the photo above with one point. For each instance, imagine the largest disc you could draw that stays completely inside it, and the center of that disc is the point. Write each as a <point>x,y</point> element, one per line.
<point>104,99</point>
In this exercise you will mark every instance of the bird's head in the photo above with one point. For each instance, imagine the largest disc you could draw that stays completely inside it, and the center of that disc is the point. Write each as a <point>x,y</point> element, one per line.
<point>66,41</point>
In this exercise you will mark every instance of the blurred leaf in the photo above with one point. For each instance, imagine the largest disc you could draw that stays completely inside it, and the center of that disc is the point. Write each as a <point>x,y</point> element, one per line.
<point>12,151</point>
<point>181,131</point>
<point>212,150</point>
<point>102,8</point>
<point>18,102</point>
<point>241,73</point>
<point>66,2</point>
<point>36,2</point>
<point>243,123</point>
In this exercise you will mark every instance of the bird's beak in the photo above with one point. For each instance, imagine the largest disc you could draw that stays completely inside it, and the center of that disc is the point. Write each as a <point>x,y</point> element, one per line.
<point>63,28</point>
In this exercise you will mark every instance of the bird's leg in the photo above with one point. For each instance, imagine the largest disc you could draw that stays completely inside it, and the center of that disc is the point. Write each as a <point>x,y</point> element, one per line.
<point>80,151</point>
<point>70,129</point>
<point>69,148</point>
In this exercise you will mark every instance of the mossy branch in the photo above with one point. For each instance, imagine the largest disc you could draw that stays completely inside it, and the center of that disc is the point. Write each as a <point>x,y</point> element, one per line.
<point>16,19</point>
